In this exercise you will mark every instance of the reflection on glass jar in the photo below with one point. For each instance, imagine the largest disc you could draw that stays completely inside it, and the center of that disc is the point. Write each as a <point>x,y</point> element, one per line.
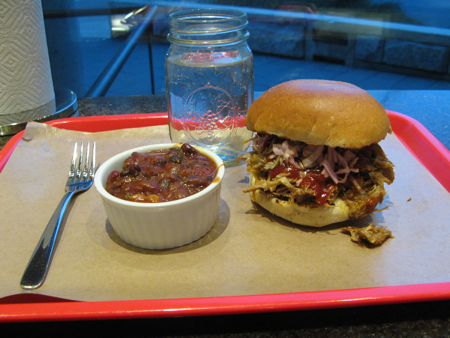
<point>209,79</point>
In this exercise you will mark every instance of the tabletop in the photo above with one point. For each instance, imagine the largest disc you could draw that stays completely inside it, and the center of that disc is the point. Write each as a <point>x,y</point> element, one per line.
<point>421,319</point>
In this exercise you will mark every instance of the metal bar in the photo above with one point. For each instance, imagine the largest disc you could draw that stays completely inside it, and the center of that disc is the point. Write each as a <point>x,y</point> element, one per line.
<point>60,14</point>
<point>150,57</point>
<point>109,74</point>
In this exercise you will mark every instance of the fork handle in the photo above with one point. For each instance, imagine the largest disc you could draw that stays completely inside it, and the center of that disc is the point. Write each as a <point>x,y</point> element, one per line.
<point>37,267</point>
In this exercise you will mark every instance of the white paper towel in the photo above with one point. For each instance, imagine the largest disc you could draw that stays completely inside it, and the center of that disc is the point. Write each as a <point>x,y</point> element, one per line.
<point>26,86</point>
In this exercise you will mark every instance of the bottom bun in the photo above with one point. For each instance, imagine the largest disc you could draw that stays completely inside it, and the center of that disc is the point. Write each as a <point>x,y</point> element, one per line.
<point>291,211</point>
<point>314,217</point>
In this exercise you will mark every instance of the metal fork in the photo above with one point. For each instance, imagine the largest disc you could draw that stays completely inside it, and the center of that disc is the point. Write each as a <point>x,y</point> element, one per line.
<point>80,179</point>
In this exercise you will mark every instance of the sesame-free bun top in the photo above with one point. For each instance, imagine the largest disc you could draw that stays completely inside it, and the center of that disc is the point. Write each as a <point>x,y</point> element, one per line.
<point>336,114</point>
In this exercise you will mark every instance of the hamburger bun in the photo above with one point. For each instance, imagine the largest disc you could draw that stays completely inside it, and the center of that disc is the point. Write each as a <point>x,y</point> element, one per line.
<point>335,114</point>
<point>339,115</point>
<point>313,217</point>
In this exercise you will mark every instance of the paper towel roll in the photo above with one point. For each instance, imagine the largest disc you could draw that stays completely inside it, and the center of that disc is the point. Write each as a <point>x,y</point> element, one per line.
<point>26,86</point>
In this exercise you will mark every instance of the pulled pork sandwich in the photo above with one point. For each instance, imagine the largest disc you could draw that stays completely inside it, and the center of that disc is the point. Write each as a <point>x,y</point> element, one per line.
<point>316,158</point>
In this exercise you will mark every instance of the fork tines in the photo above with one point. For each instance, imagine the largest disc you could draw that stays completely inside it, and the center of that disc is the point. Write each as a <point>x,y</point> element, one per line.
<point>85,169</point>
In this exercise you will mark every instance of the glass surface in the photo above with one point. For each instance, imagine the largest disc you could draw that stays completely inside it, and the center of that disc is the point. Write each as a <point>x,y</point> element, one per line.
<point>375,44</point>
<point>209,80</point>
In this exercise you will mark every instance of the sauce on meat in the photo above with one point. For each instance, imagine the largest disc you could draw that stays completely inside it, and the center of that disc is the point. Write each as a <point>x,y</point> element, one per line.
<point>162,175</point>
<point>281,169</point>
<point>319,186</point>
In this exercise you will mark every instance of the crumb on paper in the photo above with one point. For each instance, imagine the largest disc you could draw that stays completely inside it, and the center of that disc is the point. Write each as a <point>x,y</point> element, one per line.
<point>369,236</point>
<point>380,210</point>
<point>409,199</point>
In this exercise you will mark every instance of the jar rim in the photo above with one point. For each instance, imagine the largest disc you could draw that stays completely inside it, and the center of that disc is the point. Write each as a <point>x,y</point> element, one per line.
<point>207,21</point>
<point>201,26</point>
<point>198,15</point>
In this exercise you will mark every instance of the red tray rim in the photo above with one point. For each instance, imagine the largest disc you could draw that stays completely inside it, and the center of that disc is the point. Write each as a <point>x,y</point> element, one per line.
<point>27,307</point>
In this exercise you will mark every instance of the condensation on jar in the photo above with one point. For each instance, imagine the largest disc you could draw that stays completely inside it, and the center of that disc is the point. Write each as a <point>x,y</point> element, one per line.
<point>210,80</point>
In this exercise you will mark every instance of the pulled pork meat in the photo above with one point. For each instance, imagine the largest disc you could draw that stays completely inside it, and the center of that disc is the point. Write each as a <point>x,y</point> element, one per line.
<point>315,175</point>
<point>369,236</point>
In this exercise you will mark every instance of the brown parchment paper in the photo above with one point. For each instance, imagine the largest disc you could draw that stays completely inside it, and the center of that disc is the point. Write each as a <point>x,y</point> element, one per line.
<point>247,252</point>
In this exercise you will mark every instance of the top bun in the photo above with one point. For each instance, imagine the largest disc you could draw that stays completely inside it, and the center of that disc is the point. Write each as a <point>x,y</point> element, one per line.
<point>336,114</point>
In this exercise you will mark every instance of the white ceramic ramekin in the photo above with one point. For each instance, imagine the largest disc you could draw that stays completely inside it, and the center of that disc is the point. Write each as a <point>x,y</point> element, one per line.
<point>160,225</point>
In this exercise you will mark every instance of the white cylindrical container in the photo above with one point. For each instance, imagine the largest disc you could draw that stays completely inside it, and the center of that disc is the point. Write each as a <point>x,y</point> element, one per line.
<point>26,86</point>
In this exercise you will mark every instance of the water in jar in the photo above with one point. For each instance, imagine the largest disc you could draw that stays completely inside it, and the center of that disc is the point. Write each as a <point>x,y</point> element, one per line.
<point>209,94</point>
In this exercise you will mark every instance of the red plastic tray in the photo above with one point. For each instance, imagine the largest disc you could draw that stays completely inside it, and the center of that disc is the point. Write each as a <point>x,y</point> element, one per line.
<point>33,307</point>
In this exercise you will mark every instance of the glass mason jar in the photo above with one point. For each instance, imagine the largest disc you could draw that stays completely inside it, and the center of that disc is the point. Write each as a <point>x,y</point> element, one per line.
<point>209,80</point>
